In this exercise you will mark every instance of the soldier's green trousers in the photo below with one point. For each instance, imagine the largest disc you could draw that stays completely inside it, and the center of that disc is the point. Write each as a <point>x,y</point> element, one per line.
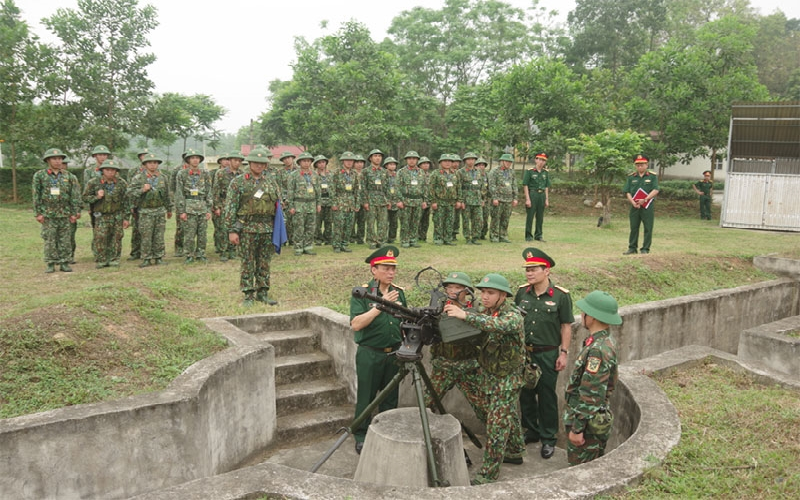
<point>536,211</point>
<point>324,218</point>
<point>179,237</point>
<point>56,233</point>
<point>136,235</point>
<point>501,215</point>
<point>220,233</point>
<point>256,251</point>
<point>305,225</point>
<point>424,223</point>
<point>539,406</point>
<point>358,226</point>
<point>487,210</point>
<point>473,220</point>
<point>152,222</point>
<point>447,374</point>
<point>594,447</point>
<point>645,217</point>
<point>503,432</point>
<point>705,206</point>
<point>376,222</point>
<point>72,230</point>
<point>195,235</point>
<point>410,224</point>
<point>108,235</point>
<point>393,218</point>
<point>444,220</point>
<point>342,227</point>
<point>374,371</point>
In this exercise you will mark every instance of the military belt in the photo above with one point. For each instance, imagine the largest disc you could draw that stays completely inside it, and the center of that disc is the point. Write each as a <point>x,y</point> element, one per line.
<point>456,352</point>
<point>385,350</point>
<point>540,348</point>
<point>540,190</point>
<point>413,197</point>
<point>304,199</point>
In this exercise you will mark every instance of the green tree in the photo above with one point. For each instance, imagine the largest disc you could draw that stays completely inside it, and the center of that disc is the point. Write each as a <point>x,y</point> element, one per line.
<point>777,52</point>
<point>606,158</point>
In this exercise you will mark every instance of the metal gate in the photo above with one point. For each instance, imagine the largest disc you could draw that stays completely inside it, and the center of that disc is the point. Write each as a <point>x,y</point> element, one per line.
<point>762,194</point>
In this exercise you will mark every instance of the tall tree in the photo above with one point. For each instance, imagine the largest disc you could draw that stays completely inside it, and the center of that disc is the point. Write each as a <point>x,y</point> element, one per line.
<point>105,66</point>
<point>777,52</point>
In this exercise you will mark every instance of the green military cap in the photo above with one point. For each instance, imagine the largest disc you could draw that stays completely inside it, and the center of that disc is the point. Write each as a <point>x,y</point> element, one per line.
<point>455,157</point>
<point>193,152</point>
<point>110,164</point>
<point>143,152</point>
<point>347,155</point>
<point>535,257</point>
<point>52,153</point>
<point>506,157</point>
<point>458,279</point>
<point>375,152</point>
<point>481,161</point>
<point>259,156</point>
<point>150,157</point>
<point>384,255</point>
<point>411,154</point>
<point>359,158</point>
<point>319,158</point>
<point>305,155</point>
<point>100,150</point>
<point>66,160</point>
<point>444,157</point>
<point>236,154</point>
<point>388,160</point>
<point>424,159</point>
<point>601,306</point>
<point>496,281</point>
<point>470,155</point>
<point>223,156</point>
<point>286,154</point>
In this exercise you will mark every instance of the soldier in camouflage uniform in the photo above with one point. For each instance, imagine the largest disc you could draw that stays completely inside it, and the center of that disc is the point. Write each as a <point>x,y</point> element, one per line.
<point>149,192</point>
<point>100,154</point>
<point>472,192</point>
<point>360,217</point>
<point>587,414</point>
<point>445,193</point>
<point>346,202</point>
<point>412,185</point>
<point>73,226</point>
<point>501,360</point>
<point>536,185</point>
<point>106,197</point>
<point>393,196</point>
<point>503,193</point>
<point>220,233</point>
<point>375,200</point>
<point>303,203</point>
<point>282,176</point>
<point>173,176</point>
<point>425,213</point>
<point>325,216</point>
<point>481,164</point>
<point>250,216</point>
<point>56,204</point>
<point>548,333</point>
<point>222,179</point>
<point>136,237</point>
<point>193,201</point>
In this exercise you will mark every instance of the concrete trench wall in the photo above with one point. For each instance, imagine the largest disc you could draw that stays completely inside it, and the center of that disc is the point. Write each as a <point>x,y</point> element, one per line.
<point>222,409</point>
<point>767,345</point>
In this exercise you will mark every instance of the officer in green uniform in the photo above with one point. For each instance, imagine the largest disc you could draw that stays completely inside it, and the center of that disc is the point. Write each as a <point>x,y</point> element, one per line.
<point>705,189</point>
<point>193,202</point>
<point>548,332</point>
<point>303,203</point>
<point>536,184</point>
<point>56,204</point>
<point>640,189</point>
<point>325,216</point>
<point>250,208</point>
<point>107,199</point>
<point>425,213</point>
<point>222,179</point>
<point>413,188</point>
<point>587,414</point>
<point>503,193</point>
<point>472,190</point>
<point>501,360</point>
<point>377,335</point>
<point>149,192</point>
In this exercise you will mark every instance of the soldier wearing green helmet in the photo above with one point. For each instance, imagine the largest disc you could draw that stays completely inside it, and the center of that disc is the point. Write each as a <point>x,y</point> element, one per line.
<point>481,165</point>
<point>359,220</point>
<point>149,192</point>
<point>325,216</point>
<point>220,233</point>
<point>425,214</point>
<point>587,411</point>
<point>395,207</point>
<point>375,201</point>
<point>503,194</point>
<point>412,185</point>
<point>136,238</point>
<point>106,197</point>
<point>222,179</point>
<point>303,202</point>
<point>282,176</point>
<point>472,190</point>
<point>445,195</point>
<point>193,201</point>
<point>501,360</point>
<point>100,154</point>
<point>56,205</point>
<point>346,202</point>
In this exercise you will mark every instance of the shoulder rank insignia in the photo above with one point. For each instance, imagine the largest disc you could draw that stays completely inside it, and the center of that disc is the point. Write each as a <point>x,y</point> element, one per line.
<point>398,287</point>
<point>592,364</point>
<point>523,286</point>
<point>561,288</point>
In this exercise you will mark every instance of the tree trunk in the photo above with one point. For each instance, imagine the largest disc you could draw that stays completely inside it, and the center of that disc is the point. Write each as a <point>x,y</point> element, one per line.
<point>713,162</point>
<point>14,195</point>
<point>606,200</point>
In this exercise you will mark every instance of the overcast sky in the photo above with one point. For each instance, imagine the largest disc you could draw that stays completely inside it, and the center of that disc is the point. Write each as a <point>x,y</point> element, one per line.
<point>238,46</point>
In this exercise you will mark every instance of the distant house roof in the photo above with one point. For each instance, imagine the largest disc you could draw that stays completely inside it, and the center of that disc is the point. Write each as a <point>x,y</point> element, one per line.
<point>276,150</point>
<point>765,130</point>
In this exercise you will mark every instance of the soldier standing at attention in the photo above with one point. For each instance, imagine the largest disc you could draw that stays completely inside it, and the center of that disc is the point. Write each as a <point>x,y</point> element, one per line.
<point>222,179</point>
<point>472,198</point>
<point>359,218</point>
<point>100,154</point>
<point>325,216</point>
<point>536,184</point>
<point>412,184</point>
<point>395,207</point>
<point>642,211</point>
<point>303,204</point>
<point>502,192</point>
<point>250,216</point>
<point>106,197</point>
<point>425,213</point>
<point>484,229</point>
<point>445,193</point>
<point>73,226</point>
<point>548,332</point>
<point>178,221</point>
<point>587,414</point>
<point>346,202</point>
<point>149,191</point>
<point>378,335</point>
<point>287,158</point>
<point>56,205</point>
<point>705,189</point>
<point>502,357</point>
<point>375,200</point>
<point>193,201</point>
<point>220,234</point>
<point>136,238</point>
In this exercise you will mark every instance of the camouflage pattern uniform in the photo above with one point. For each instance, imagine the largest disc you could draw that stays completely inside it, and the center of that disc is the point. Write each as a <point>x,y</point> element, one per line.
<point>222,179</point>
<point>472,192</point>
<point>56,197</point>
<point>136,237</point>
<point>501,359</point>
<point>587,396</point>
<point>376,194</point>
<point>253,219</point>
<point>325,215</point>
<point>360,217</point>
<point>282,176</point>
<point>110,212</point>
<point>393,214</point>
<point>179,252</point>
<point>152,207</point>
<point>487,206</point>
<point>193,197</point>
<point>412,184</point>
<point>445,191</point>
<point>346,199</point>
<point>425,213</point>
<point>501,188</point>
<point>303,196</point>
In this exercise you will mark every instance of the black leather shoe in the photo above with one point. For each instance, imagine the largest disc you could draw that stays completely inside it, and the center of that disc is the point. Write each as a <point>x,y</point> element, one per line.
<point>514,461</point>
<point>359,447</point>
<point>629,252</point>
<point>548,450</point>
<point>644,251</point>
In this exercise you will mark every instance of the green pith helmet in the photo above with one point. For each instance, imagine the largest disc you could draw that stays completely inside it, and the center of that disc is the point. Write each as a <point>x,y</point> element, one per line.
<point>470,155</point>
<point>111,164</point>
<point>236,154</point>
<point>411,154</point>
<point>193,152</point>
<point>347,155</point>
<point>496,281</point>
<point>150,157</point>
<point>455,157</point>
<point>286,154</point>
<point>223,156</point>
<point>375,152</point>
<point>52,153</point>
<point>444,157</point>
<point>480,161</point>
<point>601,306</point>
<point>319,158</point>
<point>424,159</point>
<point>66,160</point>
<point>143,152</point>
<point>458,279</point>
<point>259,156</point>
<point>305,155</point>
<point>506,157</point>
<point>388,160</point>
<point>359,158</point>
<point>100,150</point>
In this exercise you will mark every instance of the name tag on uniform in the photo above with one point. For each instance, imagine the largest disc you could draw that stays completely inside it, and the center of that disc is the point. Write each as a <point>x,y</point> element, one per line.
<point>348,187</point>
<point>55,191</point>
<point>323,186</point>
<point>507,184</point>
<point>258,194</point>
<point>474,182</point>
<point>414,182</point>
<point>449,184</point>
<point>310,190</point>
<point>377,182</point>
<point>194,192</point>
<point>391,190</point>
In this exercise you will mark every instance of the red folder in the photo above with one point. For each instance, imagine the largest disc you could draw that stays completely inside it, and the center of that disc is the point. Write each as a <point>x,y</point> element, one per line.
<point>640,195</point>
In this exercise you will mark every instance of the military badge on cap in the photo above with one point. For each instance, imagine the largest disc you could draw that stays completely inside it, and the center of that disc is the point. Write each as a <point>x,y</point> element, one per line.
<point>535,257</point>
<point>386,255</point>
<point>641,159</point>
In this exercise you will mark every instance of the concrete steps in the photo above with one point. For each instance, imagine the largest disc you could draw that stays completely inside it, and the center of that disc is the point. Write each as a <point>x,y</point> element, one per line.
<point>320,422</point>
<point>300,396</point>
<point>288,343</point>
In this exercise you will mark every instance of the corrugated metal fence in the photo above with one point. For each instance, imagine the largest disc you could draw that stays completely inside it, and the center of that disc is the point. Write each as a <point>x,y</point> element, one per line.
<point>762,194</point>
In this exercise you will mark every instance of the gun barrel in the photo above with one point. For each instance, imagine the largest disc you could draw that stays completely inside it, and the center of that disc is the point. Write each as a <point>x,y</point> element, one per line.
<point>361,292</point>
